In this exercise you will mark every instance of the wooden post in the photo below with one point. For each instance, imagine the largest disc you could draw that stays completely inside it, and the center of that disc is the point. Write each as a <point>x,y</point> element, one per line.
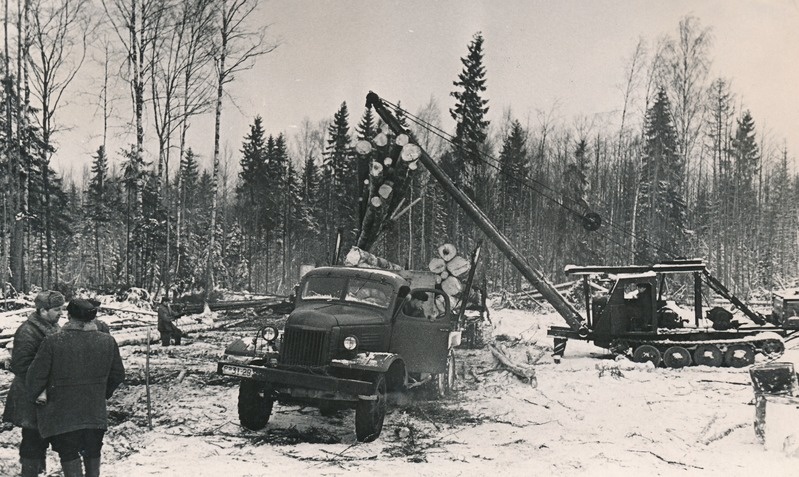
<point>147,381</point>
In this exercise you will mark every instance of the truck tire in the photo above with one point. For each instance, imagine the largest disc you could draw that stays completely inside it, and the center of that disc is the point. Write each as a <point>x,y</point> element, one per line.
<point>445,382</point>
<point>369,414</point>
<point>255,405</point>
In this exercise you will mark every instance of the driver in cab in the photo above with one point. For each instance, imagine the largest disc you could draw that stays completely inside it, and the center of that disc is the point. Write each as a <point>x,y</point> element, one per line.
<point>414,306</point>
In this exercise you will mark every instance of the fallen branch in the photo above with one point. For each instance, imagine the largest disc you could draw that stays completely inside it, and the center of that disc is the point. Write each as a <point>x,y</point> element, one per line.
<point>527,375</point>
<point>721,435</point>
<point>673,462</point>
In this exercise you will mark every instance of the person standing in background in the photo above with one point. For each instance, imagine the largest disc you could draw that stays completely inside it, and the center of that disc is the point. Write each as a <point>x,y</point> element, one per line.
<point>166,324</point>
<point>75,371</point>
<point>19,409</point>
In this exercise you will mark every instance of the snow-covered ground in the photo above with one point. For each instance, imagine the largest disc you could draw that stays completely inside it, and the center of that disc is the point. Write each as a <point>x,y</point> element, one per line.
<point>588,416</point>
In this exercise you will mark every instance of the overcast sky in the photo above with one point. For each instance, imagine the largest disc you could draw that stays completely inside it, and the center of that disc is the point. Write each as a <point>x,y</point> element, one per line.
<point>569,55</point>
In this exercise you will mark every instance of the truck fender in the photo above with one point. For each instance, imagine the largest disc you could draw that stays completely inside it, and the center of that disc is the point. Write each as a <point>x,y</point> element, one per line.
<point>368,361</point>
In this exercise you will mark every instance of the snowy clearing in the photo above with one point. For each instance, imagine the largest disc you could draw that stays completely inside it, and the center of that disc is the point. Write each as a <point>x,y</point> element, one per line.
<point>589,415</point>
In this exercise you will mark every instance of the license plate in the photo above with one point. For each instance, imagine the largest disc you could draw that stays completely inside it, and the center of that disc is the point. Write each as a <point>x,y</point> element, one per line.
<point>237,371</point>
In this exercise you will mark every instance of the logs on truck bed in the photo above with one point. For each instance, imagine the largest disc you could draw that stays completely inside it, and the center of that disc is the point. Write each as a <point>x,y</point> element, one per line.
<point>360,258</point>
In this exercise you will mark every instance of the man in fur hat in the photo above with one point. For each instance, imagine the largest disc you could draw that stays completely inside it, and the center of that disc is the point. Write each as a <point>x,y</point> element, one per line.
<point>20,410</point>
<point>79,368</point>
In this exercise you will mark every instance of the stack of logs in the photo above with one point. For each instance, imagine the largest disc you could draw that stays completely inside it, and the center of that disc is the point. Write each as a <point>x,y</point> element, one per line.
<point>391,159</point>
<point>450,268</point>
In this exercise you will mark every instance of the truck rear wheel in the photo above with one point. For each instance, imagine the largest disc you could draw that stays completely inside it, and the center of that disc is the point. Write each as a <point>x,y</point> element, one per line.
<point>369,414</point>
<point>255,405</point>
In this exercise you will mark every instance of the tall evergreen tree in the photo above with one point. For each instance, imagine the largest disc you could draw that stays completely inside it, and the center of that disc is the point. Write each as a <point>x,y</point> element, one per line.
<point>470,107</point>
<point>513,167</point>
<point>661,210</point>
<point>464,165</point>
<point>340,181</point>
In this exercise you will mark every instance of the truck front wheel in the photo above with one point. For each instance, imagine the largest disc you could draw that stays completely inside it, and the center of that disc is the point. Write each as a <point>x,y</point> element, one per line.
<point>255,405</point>
<point>369,414</point>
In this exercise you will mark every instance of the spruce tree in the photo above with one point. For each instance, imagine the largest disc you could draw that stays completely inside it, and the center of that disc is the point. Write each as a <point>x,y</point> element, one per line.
<point>464,165</point>
<point>470,109</point>
<point>660,220</point>
<point>340,181</point>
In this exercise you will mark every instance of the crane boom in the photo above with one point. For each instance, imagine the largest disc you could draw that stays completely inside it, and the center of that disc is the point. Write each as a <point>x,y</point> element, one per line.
<point>535,277</point>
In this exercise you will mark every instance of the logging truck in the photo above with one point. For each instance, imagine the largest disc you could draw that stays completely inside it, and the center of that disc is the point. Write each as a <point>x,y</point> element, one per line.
<point>350,342</point>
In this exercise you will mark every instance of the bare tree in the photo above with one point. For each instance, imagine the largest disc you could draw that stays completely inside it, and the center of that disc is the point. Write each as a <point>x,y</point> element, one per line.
<point>59,33</point>
<point>196,22</point>
<point>236,49</point>
<point>685,72</point>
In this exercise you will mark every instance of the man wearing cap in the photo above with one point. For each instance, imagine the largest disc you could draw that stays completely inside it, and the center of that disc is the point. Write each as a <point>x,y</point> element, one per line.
<point>166,324</point>
<point>415,304</point>
<point>79,368</point>
<point>19,409</point>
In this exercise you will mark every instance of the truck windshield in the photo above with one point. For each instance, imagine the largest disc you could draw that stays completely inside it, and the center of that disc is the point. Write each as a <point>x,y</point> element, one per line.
<point>323,288</point>
<point>357,290</point>
<point>370,292</point>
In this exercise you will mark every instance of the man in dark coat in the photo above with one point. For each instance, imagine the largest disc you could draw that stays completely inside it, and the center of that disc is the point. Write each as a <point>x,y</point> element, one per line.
<point>20,410</point>
<point>415,304</point>
<point>73,374</point>
<point>166,324</point>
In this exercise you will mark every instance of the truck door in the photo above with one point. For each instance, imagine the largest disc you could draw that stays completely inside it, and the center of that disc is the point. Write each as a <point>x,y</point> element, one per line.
<point>422,341</point>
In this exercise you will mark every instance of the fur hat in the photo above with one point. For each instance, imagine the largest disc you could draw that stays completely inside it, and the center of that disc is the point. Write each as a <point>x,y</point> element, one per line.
<point>48,299</point>
<point>82,310</point>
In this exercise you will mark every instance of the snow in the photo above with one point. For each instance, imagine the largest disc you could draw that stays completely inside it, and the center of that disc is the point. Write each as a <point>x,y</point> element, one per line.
<point>590,415</point>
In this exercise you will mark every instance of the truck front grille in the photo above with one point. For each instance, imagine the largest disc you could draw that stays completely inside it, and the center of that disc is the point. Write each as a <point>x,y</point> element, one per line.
<point>304,347</point>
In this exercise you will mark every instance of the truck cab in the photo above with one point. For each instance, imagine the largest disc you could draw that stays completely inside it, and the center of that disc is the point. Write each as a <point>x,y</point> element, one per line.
<point>351,339</point>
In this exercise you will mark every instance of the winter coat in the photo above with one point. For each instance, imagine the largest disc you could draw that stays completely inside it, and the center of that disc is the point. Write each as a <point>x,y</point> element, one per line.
<point>166,320</point>
<point>80,367</point>
<point>20,410</point>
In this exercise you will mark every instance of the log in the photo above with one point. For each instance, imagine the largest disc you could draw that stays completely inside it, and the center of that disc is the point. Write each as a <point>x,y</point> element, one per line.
<point>381,139</point>
<point>376,169</point>
<point>388,161</point>
<point>376,201</point>
<point>401,140</point>
<point>447,252</point>
<point>410,152</point>
<point>363,147</point>
<point>413,165</point>
<point>437,265</point>
<point>451,286</point>
<point>385,190</point>
<point>361,258</point>
<point>458,266</point>
<point>444,275</point>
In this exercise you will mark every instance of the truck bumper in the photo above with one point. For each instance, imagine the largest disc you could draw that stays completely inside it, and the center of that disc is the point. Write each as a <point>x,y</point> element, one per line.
<point>280,378</point>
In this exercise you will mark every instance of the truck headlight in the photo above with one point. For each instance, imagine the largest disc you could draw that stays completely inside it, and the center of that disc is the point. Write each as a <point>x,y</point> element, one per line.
<point>269,333</point>
<point>350,343</point>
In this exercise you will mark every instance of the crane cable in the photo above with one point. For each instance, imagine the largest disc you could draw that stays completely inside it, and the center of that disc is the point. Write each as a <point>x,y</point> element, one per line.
<point>529,183</point>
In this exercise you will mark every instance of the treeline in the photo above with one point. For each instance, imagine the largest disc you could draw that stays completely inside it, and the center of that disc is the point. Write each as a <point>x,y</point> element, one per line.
<point>681,171</point>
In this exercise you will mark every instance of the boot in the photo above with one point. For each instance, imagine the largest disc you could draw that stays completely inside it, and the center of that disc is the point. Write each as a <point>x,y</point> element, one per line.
<point>32,467</point>
<point>92,466</point>
<point>72,468</point>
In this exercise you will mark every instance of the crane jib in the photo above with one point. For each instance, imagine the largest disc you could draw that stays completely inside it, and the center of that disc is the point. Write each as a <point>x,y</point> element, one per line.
<point>535,277</point>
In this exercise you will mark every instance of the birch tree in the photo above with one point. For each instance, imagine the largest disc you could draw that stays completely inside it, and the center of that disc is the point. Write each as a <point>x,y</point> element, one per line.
<point>237,46</point>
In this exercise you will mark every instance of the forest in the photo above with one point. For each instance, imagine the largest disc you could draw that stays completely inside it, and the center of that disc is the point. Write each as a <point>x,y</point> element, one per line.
<point>682,171</point>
